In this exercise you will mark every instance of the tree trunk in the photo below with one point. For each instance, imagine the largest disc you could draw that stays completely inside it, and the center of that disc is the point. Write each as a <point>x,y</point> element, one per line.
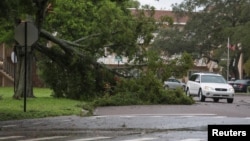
<point>20,73</point>
<point>235,69</point>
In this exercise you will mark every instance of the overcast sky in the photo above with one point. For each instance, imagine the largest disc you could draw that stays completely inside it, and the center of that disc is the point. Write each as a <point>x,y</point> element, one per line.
<point>161,4</point>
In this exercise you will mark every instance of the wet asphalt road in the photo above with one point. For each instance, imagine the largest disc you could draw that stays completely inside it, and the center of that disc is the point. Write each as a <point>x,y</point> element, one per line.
<point>133,123</point>
<point>239,108</point>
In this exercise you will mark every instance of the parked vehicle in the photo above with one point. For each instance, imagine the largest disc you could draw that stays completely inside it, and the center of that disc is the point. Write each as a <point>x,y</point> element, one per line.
<point>209,85</point>
<point>230,82</point>
<point>173,83</point>
<point>241,85</point>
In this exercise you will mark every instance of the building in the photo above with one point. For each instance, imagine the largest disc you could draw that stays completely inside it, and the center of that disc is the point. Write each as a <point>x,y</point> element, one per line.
<point>8,66</point>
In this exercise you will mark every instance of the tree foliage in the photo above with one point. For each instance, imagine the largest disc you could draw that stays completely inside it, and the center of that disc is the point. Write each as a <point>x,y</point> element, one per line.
<point>145,90</point>
<point>166,67</point>
<point>72,36</point>
<point>206,33</point>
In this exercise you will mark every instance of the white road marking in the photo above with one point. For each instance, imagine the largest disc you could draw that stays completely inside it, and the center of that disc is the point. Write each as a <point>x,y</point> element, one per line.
<point>187,116</point>
<point>91,139</point>
<point>44,138</point>
<point>10,137</point>
<point>127,116</point>
<point>141,139</point>
<point>193,140</point>
<point>158,115</point>
<point>6,126</point>
<point>220,117</point>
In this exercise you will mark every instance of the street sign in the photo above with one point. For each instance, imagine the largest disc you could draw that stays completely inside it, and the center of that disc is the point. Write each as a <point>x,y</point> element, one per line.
<point>118,58</point>
<point>26,31</point>
<point>26,34</point>
<point>13,57</point>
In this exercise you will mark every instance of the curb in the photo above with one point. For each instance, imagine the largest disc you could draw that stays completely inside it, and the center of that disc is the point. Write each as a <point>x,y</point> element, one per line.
<point>243,94</point>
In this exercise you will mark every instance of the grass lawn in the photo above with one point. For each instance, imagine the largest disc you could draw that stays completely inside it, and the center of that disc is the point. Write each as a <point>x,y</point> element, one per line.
<point>42,106</point>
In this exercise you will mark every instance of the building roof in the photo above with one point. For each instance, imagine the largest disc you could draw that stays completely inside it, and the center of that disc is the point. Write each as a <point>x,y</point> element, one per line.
<point>177,19</point>
<point>160,13</point>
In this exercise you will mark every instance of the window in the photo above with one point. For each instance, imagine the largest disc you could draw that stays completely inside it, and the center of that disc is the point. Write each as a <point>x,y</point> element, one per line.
<point>212,79</point>
<point>197,79</point>
<point>193,77</point>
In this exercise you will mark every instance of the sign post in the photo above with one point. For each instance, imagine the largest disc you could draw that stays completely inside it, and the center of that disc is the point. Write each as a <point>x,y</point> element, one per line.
<point>26,34</point>
<point>118,59</point>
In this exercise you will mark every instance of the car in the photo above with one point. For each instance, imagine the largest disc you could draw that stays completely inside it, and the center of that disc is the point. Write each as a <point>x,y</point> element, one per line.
<point>230,82</point>
<point>173,83</point>
<point>209,85</point>
<point>241,85</point>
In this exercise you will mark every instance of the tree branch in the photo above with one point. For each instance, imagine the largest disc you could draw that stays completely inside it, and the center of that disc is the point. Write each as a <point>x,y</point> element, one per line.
<point>65,46</point>
<point>87,37</point>
<point>60,42</point>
